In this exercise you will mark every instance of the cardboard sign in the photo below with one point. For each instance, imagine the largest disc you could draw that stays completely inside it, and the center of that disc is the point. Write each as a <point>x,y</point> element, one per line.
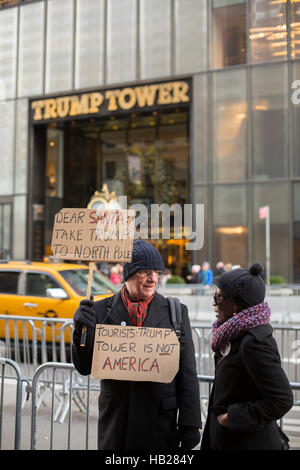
<point>93,235</point>
<point>135,353</point>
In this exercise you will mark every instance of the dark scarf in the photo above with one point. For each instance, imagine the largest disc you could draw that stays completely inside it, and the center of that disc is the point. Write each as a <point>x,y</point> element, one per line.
<point>223,333</point>
<point>137,311</point>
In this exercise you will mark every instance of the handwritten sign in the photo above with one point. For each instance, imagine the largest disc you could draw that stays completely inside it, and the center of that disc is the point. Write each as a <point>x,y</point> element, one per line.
<point>93,235</point>
<point>135,353</point>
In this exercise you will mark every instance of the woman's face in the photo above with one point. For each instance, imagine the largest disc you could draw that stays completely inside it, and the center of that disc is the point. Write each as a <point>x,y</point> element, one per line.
<point>224,307</point>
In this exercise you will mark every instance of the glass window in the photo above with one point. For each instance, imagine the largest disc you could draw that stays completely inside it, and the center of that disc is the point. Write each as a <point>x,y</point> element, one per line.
<point>121,40</point>
<point>270,121</point>
<point>31,49</point>
<point>277,197</point>
<point>200,124</point>
<point>7,117</point>
<point>267,31</point>
<point>38,283</point>
<point>78,279</point>
<point>296,233</point>
<point>59,56</point>
<point>230,225</point>
<point>8,50</point>
<point>229,126</point>
<point>89,43</point>
<point>21,146</point>
<point>190,35</point>
<point>19,227</point>
<point>296,117</point>
<point>5,231</point>
<point>155,38</point>
<point>9,282</point>
<point>228,33</point>
<point>295,29</point>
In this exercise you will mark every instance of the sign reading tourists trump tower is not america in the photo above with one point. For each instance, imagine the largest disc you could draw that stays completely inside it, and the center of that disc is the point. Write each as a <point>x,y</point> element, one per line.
<point>135,353</point>
<point>93,235</point>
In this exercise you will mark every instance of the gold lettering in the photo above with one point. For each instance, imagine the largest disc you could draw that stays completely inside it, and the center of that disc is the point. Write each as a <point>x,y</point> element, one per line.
<point>63,106</point>
<point>37,106</point>
<point>79,106</point>
<point>132,98</point>
<point>50,109</point>
<point>146,95</point>
<point>164,94</point>
<point>96,99</point>
<point>180,92</point>
<point>112,95</point>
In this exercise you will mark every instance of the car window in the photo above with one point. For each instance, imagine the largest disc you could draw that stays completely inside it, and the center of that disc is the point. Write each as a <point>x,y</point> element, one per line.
<point>9,282</point>
<point>78,279</point>
<point>38,283</point>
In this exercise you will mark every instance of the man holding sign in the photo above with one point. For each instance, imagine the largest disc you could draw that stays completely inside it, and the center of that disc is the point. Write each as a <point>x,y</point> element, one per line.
<point>141,406</point>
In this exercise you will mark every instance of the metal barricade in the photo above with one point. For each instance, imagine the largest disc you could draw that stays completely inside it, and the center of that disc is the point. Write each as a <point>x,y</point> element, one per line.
<point>4,362</point>
<point>31,341</point>
<point>64,390</point>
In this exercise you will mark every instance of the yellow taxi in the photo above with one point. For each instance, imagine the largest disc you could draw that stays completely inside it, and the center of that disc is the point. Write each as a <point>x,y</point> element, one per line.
<point>47,289</point>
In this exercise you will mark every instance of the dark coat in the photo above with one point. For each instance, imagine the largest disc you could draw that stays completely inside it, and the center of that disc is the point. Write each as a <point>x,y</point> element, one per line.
<point>143,415</point>
<point>251,386</point>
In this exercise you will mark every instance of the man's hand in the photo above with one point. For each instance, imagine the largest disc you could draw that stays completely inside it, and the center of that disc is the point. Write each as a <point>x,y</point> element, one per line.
<point>85,315</point>
<point>223,420</point>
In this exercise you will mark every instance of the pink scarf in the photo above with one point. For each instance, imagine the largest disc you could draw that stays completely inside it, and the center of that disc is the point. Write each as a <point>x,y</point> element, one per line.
<point>235,326</point>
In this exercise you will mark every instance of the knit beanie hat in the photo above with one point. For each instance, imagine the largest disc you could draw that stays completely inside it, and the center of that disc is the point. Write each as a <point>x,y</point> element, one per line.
<point>144,256</point>
<point>245,286</point>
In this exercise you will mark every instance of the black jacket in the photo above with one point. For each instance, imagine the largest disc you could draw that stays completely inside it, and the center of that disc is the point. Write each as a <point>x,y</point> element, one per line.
<point>143,415</point>
<point>251,386</point>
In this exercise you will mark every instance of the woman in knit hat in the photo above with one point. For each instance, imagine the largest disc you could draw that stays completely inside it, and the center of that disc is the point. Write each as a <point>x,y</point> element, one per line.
<point>250,390</point>
<point>142,415</point>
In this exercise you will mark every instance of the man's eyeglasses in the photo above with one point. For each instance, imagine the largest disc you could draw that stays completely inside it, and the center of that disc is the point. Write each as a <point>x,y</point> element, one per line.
<point>147,272</point>
<point>219,298</point>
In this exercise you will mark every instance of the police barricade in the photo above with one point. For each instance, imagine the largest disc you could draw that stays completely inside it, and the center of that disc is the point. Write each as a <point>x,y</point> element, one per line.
<point>68,394</point>
<point>80,432</point>
<point>31,341</point>
<point>7,401</point>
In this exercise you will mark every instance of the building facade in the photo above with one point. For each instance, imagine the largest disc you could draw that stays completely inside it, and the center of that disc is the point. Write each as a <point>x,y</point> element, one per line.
<point>187,101</point>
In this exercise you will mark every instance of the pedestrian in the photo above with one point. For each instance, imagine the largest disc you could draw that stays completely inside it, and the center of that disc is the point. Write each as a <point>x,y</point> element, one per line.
<point>219,268</point>
<point>207,274</point>
<point>250,390</point>
<point>142,415</point>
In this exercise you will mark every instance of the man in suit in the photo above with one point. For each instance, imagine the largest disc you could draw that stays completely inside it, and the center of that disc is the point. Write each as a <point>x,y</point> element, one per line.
<point>142,415</point>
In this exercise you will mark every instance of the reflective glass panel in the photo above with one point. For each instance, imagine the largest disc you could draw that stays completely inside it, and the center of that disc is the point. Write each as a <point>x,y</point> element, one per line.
<point>31,49</point>
<point>295,98</point>
<point>200,124</point>
<point>19,227</point>
<point>8,51</point>
<point>270,121</point>
<point>121,40</point>
<point>59,57</point>
<point>155,38</point>
<point>190,35</point>
<point>277,197</point>
<point>230,228</point>
<point>229,125</point>
<point>7,124</point>
<point>296,233</point>
<point>295,29</point>
<point>21,146</point>
<point>89,43</point>
<point>267,30</point>
<point>228,19</point>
